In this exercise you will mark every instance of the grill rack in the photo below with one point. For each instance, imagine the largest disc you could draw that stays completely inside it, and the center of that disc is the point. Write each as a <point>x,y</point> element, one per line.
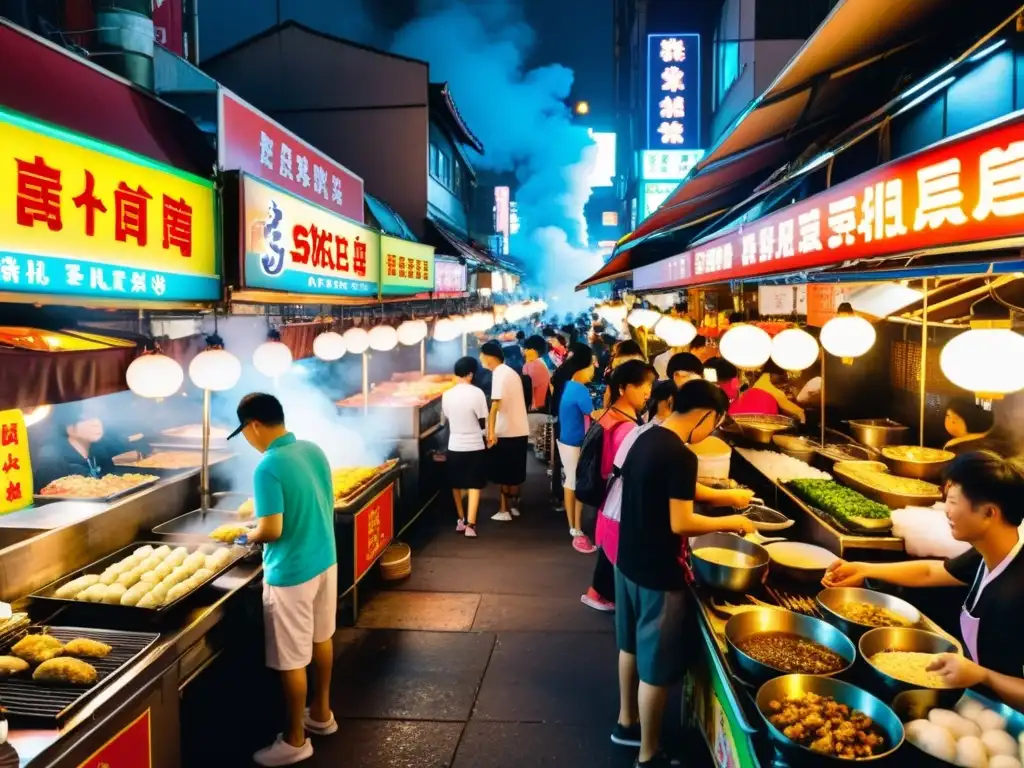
<point>25,699</point>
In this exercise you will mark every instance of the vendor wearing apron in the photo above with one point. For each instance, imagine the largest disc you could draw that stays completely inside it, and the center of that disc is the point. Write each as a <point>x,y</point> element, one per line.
<point>985,507</point>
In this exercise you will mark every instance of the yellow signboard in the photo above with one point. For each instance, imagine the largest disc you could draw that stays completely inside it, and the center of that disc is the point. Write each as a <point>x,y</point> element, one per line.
<point>406,267</point>
<point>15,463</point>
<point>83,218</point>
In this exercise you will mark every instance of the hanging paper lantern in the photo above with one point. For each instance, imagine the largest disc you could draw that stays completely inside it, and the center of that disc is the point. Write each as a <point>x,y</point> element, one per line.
<point>746,346</point>
<point>357,340</point>
<point>272,358</point>
<point>643,318</point>
<point>794,350</point>
<point>215,369</point>
<point>675,331</point>
<point>383,337</point>
<point>412,332</point>
<point>986,361</point>
<point>847,335</point>
<point>446,330</point>
<point>154,375</point>
<point>329,346</point>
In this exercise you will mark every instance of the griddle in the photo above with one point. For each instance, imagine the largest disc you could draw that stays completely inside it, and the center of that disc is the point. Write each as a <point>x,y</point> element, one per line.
<point>25,699</point>
<point>200,523</point>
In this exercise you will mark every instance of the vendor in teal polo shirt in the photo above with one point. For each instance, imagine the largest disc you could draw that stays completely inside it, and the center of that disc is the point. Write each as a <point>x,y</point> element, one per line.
<point>294,499</point>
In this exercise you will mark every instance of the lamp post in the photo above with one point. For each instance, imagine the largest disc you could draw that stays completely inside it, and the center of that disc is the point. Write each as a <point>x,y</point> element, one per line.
<point>213,370</point>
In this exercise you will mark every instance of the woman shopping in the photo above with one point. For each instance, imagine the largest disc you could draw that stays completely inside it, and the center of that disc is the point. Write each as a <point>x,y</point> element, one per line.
<point>575,407</point>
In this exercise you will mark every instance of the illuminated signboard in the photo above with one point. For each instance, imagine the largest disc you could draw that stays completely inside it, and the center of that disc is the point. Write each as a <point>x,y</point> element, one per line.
<point>450,277</point>
<point>407,267</point>
<point>673,91</point>
<point>668,164</point>
<point>654,194</point>
<point>502,216</point>
<point>602,173</point>
<point>83,219</point>
<point>293,246</point>
<point>969,189</point>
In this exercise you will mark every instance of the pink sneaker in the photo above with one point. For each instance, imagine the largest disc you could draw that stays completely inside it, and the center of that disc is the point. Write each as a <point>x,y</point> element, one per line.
<point>470,531</point>
<point>583,545</point>
<point>460,526</point>
<point>593,600</point>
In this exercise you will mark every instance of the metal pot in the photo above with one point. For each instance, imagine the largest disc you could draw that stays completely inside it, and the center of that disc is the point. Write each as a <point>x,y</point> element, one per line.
<point>798,447</point>
<point>725,577</point>
<point>932,471</point>
<point>831,599</point>
<point>761,620</point>
<point>785,553</point>
<point>761,429</point>
<point>844,693</point>
<point>878,433</point>
<point>901,639</point>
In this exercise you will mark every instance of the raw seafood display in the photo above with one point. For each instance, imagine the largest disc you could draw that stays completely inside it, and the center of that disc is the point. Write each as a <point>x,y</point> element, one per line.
<point>727,557</point>
<point>65,670</point>
<point>838,500</point>
<point>823,725</point>
<point>871,615</point>
<point>85,648</point>
<point>908,666</point>
<point>787,652</point>
<point>780,468</point>
<point>916,453</point>
<point>35,649</point>
<point>884,481</point>
<point>94,488</point>
<point>973,735</point>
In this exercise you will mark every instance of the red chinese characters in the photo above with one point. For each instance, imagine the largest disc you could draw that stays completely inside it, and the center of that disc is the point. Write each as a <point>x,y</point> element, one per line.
<point>8,434</point>
<point>328,251</point>
<point>9,437</point>
<point>407,267</point>
<point>39,191</point>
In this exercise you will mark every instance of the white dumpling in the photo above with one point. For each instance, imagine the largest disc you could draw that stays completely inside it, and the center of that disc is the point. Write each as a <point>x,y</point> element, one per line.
<point>196,558</point>
<point>160,591</point>
<point>151,577</point>
<point>162,551</point>
<point>932,739</point>
<point>130,578</point>
<point>75,586</point>
<point>134,594</point>
<point>969,708</point>
<point>150,563</point>
<point>110,575</point>
<point>177,557</point>
<point>143,552</point>
<point>202,574</point>
<point>999,742</point>
<point>970,753</point>
<point>952,722</point>
<point>163,571</point>
<point>114,593</point>
<point>219,559</point>
<point>1003,761</point>
<point>149,600</point>
<point>179,574</point>
<point>988,720</point>
<point>93,594</point>
<point>207,549</point>
<point>176,592</point>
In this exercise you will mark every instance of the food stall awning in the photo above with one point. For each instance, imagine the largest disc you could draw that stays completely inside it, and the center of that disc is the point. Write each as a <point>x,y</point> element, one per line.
<point>448,242</point>
<point>386,218</point>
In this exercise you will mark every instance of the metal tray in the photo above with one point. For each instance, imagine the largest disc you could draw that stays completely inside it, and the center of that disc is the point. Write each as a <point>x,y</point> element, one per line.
<point>100,499</point>
<point>344,502</point>
<point>216,457</point>
<point>858,525</point>
<point>46,594</point>
<point>891,499</point>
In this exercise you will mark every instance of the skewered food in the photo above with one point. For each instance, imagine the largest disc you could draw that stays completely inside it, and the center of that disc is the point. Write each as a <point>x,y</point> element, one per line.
<point>12,665</point>
<point>871,615</point>
<point>76,586</point>
<point>910,667</point>
<point>36,649</point>
<point>94,488</point>
<point>838,500</point>
<point>823,725</point>
<point>65,670</point>
<point>787,652</point>
<point>86,648</point>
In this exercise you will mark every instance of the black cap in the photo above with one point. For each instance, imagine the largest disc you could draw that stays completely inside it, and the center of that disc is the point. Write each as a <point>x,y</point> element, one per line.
<point>258,406</point>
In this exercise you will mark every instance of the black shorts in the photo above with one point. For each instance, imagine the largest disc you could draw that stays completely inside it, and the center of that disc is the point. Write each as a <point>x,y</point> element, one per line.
<point>649,625</point>
<point>508,460</point>
<point>467,469</point>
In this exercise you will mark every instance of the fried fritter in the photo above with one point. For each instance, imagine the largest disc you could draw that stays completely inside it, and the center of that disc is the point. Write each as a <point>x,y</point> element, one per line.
<point>12,665</point>
<point>228,533</point>
<point>65,670</point>
<point>86,648</point>
<point>36,649</point>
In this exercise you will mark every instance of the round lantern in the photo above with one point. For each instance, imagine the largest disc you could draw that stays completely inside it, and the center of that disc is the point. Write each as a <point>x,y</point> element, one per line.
<point>272,358</point>
<point>412,332</point>
<point>986,361</point>
<point>445,330</point>
<point>643,318</point>
<point>383,337</point>
<point>746,346</point>
<point>847,335</point>
<point>329,346</point>
<point>675,331</point>
<point>357,340</point>
<point>794,349</point>
<point>215,369</point>
<point>154,375</point>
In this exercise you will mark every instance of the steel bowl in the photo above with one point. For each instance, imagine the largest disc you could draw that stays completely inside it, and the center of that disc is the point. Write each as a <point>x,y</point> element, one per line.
<point>892,499</point>
<point>798,447</point>
<point>900,639</point>
<point>767,519</point>
<point>725,577</point>
<point>762,428</point>
<point>844,693</point>
<point>931,471</point>
<point>761,620</point>
<point>878,433</point>
<point>783,555</point>
<point>831,599</point>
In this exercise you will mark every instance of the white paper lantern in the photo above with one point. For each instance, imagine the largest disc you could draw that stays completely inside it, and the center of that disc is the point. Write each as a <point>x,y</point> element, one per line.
<point>412,332</point>
<point>986,361</point>
<point>483,321</point>
<point>445,330</point>
<point>154,376</point>
<point>746,346</point>
<point>272,358</point>
<point>847,336</point>
<point>357,340</point>
<point>215,369</point>
<point>460,323</point>
<point>794,349</point>
<point>675,331</point>
<point>329,346</point>
<point>643,318</point>
<point>383,337</point>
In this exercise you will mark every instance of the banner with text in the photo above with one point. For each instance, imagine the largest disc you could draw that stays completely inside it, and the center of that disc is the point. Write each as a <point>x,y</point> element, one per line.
<point>406,267</point>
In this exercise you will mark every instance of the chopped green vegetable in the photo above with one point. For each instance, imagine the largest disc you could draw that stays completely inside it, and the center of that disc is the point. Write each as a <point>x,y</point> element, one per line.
<point>839,500</point>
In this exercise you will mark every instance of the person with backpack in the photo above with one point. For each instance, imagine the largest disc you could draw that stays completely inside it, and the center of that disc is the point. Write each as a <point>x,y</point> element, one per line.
<point>575,407</point>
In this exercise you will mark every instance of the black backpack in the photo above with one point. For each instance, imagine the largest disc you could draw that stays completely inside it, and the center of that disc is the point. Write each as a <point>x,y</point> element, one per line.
<point>591,487</point>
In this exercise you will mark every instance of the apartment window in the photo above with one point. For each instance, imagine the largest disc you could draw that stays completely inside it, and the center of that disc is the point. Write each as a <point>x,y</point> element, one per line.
<point>435,154</point>
<point>727,67</point>
<point>610,219</point>
<point>789,19</point>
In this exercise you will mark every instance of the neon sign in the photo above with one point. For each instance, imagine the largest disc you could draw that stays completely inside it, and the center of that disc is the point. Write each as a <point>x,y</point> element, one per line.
<point>673,91</point>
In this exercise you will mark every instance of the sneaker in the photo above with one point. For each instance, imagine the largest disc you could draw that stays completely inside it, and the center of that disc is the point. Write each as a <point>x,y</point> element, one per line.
<point>626,735</point>
<point>470,531</point>
<point>460,526</point>
<point>502,517</point>
<point>573,533</point>
<point>320,729</point>
<point>583,545</point>
<point>593,600</point>
<point>514,511</point>
<point>660,760</point>
<point>283,753</point>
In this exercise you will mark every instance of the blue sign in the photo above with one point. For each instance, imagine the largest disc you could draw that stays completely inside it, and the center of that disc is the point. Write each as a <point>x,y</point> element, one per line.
<point>673,91</point>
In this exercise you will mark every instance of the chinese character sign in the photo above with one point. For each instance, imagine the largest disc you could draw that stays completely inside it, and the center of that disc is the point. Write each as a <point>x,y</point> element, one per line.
<point>967,190</point>
<point>250,141</point>
<point>406,267</point>
<point>673,91</point>
<point>655,193</point>
<point>296,247</point>
<point>374,527</point>
<point>15,463</point>
<point>79,218</point>
<point>450,277</point>
<point>668,164</point>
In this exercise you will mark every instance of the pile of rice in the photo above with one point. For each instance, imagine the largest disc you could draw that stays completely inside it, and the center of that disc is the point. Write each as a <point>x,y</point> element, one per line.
<point>910,667</point>
<point>781,468</point>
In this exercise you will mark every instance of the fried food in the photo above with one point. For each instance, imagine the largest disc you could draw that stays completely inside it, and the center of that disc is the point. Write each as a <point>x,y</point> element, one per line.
<point>823,725</point>
<point>12,665</point>
<point>65,670</point>
<point>871,615</point>
<point>787,652</point>
<point>248,509</point>
<point>94,488</point>
<point>86,648</point>
<point>77,586</point>
<point>228,533</point>
<point>36,649</point>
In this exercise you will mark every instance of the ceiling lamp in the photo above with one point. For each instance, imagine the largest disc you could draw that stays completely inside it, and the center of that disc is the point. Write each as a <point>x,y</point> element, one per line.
<point>215,369</point>
<point>746,346</point>
<point>412,332</point>
<point>847,335</point>
<point>357,340</point>
<point>383,337</point>
<point>794,350</point>
<point>643,318</point>
<point>329,346</point>
<point>989,358</point>
<point>154,375</point>
<point>675,331</point>
<point>272,358</point>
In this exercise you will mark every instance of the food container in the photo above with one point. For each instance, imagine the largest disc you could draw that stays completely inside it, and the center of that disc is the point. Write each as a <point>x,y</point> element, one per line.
<point>758,621</point>
<point>891,497</point>
<point>761,429</point>
<point>856,698</point>
<point>799,561</point>
<point>836,452</point>
<point>725,577</point>
<point>901,639</point>
<point>928,463</point>
<point>829,601</point>
<point>878,433</point>
<point>798,447</point>
<point>766,519</point>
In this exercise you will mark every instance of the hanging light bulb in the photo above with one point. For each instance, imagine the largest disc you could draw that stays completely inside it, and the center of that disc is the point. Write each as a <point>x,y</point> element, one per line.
<point>329,346</point>
<point>987,360</point>
<point>746,346</point>
<point>847,335</point>
<point>794,350</point>
<point>272,358</point>
<point>675,331</point>
<point>383,337</point>
<point>643,318</point>
<point>412,332</point>
<point>215,369</point>
<point>154,375</point>
<point>357,340</point>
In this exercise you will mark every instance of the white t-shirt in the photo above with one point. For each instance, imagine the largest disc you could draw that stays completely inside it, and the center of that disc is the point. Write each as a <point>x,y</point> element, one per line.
<point>507,389</point>
<point>463,406</point>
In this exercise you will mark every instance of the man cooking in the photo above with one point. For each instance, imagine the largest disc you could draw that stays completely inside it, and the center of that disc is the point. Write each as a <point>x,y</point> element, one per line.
<point>984,508</point>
